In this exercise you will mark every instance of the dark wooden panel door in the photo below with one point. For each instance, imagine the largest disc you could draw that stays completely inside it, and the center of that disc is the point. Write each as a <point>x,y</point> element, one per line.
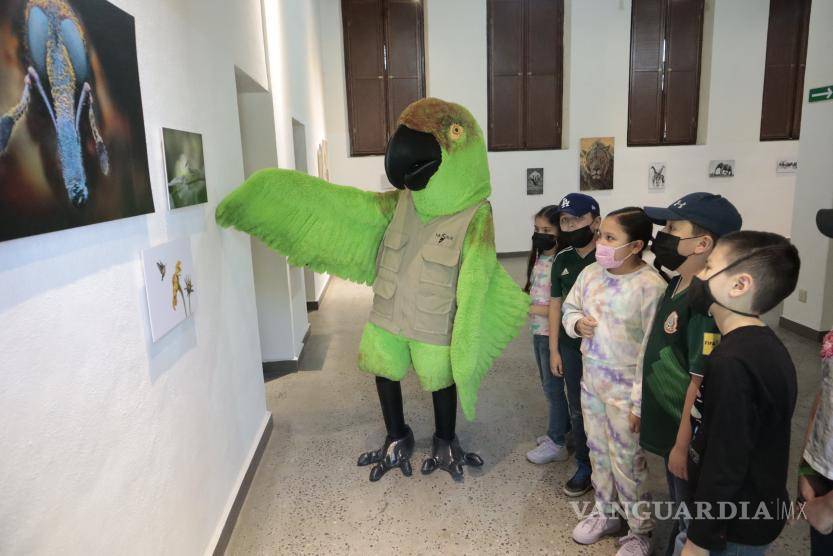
<point>786,52</point>
<point>404,32</point>
<point>365,69</point>
<point>646,78</point>
<point>798,99</point>
<point>506,79</point>
<point>544,47</point>
<point>684,32</point>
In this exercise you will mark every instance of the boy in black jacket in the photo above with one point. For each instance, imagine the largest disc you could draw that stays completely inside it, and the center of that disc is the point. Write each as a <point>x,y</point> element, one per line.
<point>739,452</point>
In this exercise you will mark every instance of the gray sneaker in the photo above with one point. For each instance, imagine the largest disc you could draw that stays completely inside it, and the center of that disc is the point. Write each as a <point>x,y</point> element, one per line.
<point>595,527</point>
<point>547,452</point>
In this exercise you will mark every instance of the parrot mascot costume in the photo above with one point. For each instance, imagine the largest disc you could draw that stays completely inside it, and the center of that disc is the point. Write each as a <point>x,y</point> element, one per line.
<point>442,303</point>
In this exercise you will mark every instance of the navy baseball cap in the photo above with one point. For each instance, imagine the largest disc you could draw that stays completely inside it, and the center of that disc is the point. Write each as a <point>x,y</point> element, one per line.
<point>824,220</point>
<point>578,204</point>
<point>713,212</point>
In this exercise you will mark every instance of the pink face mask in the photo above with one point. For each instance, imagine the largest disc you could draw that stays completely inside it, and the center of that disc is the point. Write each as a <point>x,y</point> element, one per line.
<point>606,256</point>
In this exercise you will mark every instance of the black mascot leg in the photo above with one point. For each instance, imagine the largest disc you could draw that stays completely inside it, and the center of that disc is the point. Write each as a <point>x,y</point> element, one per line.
<point>390,397</point>
<point>447,453</point>
<point>399,442</point>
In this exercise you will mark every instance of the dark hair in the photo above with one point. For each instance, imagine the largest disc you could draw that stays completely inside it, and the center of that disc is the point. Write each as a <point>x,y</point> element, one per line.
<point>636,224</point>
<point>550,212</point>
<point>773,262</point>
<point>699,230</point>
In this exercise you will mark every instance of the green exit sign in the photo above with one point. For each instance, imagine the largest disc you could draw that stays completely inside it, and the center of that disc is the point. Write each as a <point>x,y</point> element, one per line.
<point>821,93</point>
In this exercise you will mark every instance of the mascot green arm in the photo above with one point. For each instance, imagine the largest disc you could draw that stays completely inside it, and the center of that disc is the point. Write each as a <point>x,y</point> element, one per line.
<point>491,309</point>
<point>330,228</point>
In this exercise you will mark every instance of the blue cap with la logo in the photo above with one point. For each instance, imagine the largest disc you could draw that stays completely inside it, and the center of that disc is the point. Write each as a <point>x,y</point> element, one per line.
<point>578,204</point>
<point>713,212</point>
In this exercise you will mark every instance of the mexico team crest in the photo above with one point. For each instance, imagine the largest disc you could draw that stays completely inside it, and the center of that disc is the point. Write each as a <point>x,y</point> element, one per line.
<point>671,323</point>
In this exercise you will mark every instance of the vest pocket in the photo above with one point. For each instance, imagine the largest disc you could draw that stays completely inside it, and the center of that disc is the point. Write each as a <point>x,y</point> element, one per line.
<point>435,301</point>
<point>383,290</point>
<point>440,265</point>
<point>434,306</point>
<point>392,251</point>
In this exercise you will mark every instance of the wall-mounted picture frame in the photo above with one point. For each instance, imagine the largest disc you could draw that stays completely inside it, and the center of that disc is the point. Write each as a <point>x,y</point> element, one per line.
<point>596,163</point>
<point>170,285</point>
<point>722,169</point>
<point>323,161</point>
<point>534,181</point>
<point>184,168</point>
<point>786,166</point>
<point>657,175</point>
<point>73,150</point>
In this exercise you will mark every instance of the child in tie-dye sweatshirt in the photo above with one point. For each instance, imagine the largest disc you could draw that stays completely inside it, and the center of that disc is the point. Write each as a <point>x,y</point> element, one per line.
<point>610,307</point>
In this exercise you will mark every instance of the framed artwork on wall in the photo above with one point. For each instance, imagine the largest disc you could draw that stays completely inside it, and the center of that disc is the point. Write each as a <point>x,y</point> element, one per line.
<point>657,173</point>
<point>722,169</point>
<point>170,285</point>
<point>72,136</point>
<point>184,168</point>
<point>787,166</point>
<point>534,181</point>
<point>596,163</point>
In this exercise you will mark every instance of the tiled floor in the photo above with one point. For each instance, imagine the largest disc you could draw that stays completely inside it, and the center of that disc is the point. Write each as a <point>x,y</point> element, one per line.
<point>308,496</point>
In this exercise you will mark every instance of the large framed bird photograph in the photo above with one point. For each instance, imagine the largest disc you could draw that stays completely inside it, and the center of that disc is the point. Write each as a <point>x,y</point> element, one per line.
<point>72,137</point>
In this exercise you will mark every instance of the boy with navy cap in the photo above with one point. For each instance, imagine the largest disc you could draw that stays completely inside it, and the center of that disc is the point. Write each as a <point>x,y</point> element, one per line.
<point>578,221</point>
<point>679,340</point>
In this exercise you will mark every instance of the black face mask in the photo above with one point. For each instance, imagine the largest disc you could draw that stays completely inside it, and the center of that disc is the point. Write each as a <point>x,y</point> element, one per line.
<point>543,242</point>
<point>665,247</point>
<point>578,238</point>
<point>700,297</point>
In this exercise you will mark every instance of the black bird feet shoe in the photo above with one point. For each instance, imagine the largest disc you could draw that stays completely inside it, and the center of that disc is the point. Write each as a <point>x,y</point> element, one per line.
<point>449,456</point>
<point>395,453</point>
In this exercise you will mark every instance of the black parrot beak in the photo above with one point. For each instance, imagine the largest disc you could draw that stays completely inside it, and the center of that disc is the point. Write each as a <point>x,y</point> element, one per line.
<point>411,158</point>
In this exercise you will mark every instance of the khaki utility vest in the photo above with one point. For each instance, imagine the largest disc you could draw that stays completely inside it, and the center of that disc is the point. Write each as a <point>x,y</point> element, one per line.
<point>416,273</point>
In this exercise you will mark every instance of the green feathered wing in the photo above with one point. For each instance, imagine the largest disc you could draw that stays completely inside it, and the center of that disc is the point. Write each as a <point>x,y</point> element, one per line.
<point>491,309</point>
<point>330,228</point>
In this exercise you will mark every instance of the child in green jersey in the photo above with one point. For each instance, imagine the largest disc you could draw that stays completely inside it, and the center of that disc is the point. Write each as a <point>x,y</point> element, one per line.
<point>672,354</point>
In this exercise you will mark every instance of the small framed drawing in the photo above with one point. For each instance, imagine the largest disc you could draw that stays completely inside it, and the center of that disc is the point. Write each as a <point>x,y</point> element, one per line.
<point>787,166</point>
<point>656,176</point>
<point>534,181</point>
<point>722,169</point>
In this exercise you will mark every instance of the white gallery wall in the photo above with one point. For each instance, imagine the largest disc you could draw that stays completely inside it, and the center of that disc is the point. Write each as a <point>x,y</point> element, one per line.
<point>112,444</point>
<point>814,188</point>
<point>294,61</point>
<point>597,50</point>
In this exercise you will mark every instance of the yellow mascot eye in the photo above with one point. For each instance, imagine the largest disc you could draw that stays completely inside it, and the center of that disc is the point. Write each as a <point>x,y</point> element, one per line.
<point>455,131</point>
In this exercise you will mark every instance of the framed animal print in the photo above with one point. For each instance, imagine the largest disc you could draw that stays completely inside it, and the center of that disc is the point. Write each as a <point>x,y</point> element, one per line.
<point>596,163</point>
<point>72,136</point>
<point>722,169</point>
<point>657,174</point>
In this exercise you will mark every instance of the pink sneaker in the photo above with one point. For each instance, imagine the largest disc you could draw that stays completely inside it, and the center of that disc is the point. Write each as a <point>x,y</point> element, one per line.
<point>595,527</point>
<point>634,544</point>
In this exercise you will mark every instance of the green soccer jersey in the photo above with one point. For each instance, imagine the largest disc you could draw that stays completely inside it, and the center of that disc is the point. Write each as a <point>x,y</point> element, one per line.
<point>677,345</point>
<point>566,267</point>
